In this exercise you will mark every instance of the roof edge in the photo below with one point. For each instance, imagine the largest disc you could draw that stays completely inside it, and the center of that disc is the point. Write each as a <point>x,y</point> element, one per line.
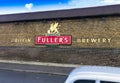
<point>66,13</point>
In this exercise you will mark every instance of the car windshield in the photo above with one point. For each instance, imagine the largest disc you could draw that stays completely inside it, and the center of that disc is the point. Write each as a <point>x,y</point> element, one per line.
<point>108,82</point>
<point>85,81</point>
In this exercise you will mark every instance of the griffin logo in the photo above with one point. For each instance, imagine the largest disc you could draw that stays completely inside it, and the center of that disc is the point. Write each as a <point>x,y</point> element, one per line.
<point>53,28</point>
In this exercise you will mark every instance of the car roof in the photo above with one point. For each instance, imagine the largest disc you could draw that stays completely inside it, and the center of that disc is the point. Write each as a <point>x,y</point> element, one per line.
<point>102,69</point>
<point>95,73</point>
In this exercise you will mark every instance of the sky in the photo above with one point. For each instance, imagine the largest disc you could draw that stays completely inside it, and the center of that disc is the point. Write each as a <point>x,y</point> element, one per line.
<point>21,6</point>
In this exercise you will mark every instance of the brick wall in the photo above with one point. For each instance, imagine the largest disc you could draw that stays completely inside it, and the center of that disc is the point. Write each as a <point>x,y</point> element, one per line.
<point>18,41</point>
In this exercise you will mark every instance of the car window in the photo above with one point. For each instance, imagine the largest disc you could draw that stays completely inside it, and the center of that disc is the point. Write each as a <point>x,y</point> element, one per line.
<point>108,82</point>
<point>85,81</point>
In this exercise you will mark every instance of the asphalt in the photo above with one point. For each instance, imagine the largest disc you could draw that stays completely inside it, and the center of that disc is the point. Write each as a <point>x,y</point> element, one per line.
<point>36,68</point>
<point>30,73</point>
<point>29,77</point>
<point>33,72</point>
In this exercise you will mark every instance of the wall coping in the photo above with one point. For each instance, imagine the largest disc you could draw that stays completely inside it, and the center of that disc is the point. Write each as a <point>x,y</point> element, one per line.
<point>61,14</point>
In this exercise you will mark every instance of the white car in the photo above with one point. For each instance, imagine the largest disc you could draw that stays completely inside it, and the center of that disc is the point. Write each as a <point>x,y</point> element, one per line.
<point>94,74</point>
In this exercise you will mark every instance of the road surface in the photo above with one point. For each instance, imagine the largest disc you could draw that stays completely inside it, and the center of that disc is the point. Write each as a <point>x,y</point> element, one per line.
<point>28,77</point>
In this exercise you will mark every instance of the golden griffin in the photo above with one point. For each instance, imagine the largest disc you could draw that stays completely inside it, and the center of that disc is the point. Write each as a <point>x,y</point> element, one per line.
<point>53,28</point>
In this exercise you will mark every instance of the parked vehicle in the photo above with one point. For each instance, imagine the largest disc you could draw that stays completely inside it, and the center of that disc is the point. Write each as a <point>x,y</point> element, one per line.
<point>94,74</point>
